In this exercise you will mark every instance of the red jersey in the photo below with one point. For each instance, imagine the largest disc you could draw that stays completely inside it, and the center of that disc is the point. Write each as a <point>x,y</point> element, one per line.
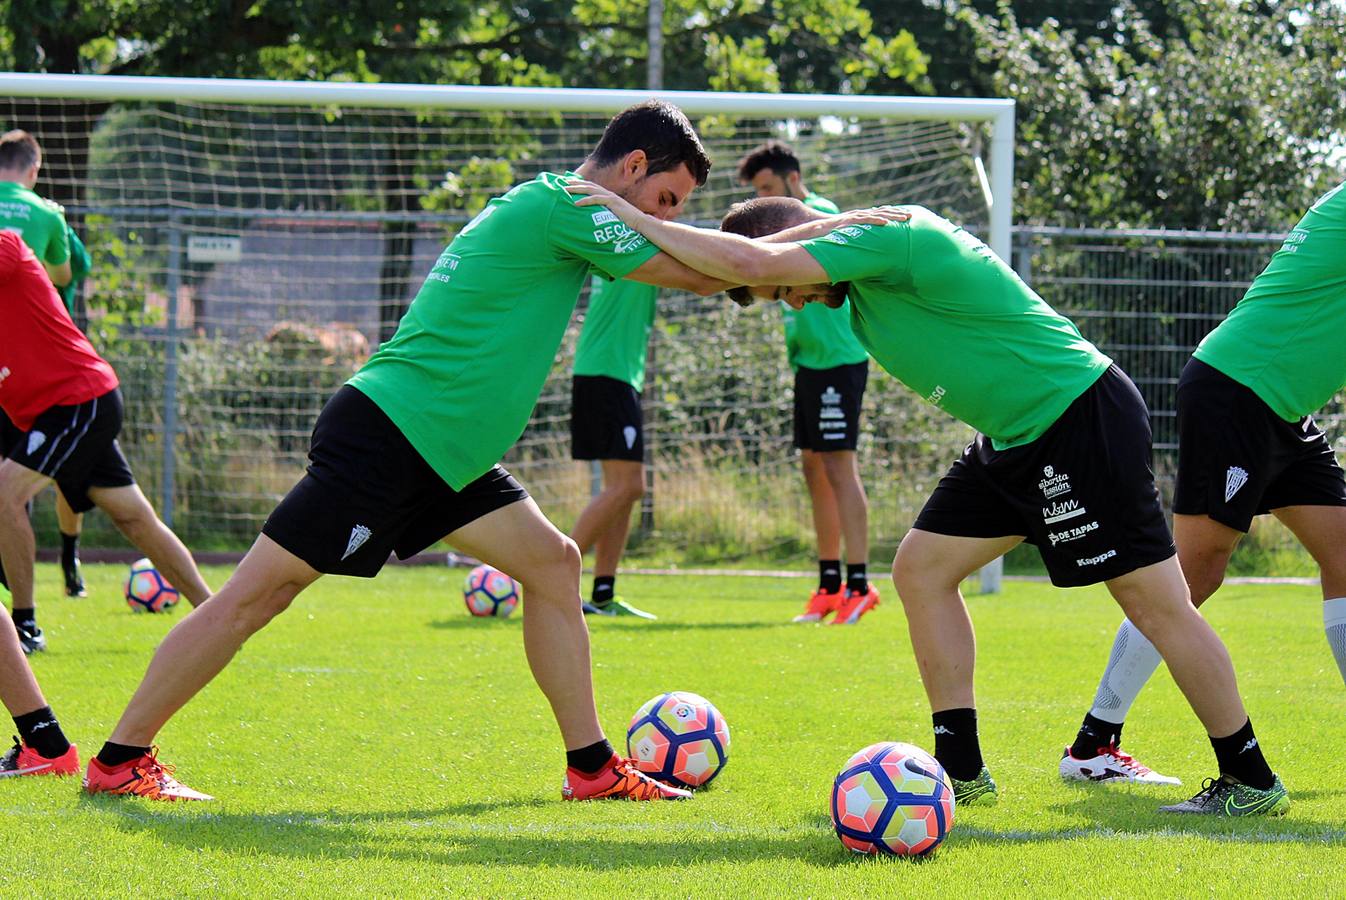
<point>45,360</point>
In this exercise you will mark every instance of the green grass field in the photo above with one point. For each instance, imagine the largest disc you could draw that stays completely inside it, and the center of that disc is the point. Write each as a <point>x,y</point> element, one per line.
<point>375,740</point>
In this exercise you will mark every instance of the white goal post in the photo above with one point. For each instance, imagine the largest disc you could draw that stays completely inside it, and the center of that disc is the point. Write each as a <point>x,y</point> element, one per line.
<point>173,223</point>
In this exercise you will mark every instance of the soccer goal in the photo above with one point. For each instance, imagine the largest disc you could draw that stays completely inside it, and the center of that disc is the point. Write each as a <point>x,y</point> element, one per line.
<point>253,241</point>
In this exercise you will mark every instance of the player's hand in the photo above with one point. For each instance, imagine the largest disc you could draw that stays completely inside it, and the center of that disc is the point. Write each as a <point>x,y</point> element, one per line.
<point>591,194</point>
<point>874,215</point>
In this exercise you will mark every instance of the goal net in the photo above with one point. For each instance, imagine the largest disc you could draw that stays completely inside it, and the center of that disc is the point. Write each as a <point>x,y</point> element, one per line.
<point>250,252</point>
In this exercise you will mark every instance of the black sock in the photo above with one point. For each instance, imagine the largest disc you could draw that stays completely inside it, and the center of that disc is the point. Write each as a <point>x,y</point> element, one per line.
<point>1240,757</point>
<point>40,730</point>
<point>856,579</point>
<point>956,744</point>
<point>24,619</point>
<point>588,759</point>
<point>605,588</point>
<point>829,575</point>
<point>118,754</point>
<point>1093,734</point>
<point>69,550</point>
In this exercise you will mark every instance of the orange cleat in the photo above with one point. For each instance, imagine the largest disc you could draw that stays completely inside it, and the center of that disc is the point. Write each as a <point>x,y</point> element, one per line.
<point>856,605</point>
<point>143,777</point>
<point>618,780</point>
<point>24,760</point>
<point>821,605</point>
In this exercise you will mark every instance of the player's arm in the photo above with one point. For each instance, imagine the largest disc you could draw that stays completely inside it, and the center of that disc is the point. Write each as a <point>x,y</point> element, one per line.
<point>60,275</point>
<point>729,257</point>
<point>663,270</point>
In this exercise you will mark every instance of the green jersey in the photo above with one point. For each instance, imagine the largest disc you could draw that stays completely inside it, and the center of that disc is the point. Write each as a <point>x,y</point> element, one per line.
<point>949,319</point>
<point>1286,339</point>
<point>818,337</point>
<point>616,331</point>
<point>80,264</point>
<point>39,222</point>
<point>464,370</point>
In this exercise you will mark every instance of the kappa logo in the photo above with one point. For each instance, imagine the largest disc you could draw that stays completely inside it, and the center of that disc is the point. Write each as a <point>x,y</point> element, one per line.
<point>1062,510</point>
<point>1248,746</point>
<point>4,373</point>
<point>629,434</point>
<point>359,534</point>
<point>1095,560</point>
<point>1234,479</point>
<point>35,440</point>
<point>940,729</point>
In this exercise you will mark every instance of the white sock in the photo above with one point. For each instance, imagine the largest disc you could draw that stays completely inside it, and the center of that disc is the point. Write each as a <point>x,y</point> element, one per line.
<point>1334,623</point>
<point>1133,661</point>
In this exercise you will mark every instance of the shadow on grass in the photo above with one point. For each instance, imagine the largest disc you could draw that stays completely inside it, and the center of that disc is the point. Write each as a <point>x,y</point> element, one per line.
<point>457,624</point>
<point>455,835</point>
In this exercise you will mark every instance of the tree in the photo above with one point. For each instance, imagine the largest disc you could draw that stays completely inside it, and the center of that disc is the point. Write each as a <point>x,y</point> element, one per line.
<point>1233,120</point>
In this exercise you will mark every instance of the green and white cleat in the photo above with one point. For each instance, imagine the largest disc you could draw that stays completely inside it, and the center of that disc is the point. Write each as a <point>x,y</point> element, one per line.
<point>980,791</point>
<point>619,607</point>
<point>1224,796</point>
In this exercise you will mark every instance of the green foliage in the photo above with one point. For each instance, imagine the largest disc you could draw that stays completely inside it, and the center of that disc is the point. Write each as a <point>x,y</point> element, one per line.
<point>1233,120</point>
<point>290,738</point>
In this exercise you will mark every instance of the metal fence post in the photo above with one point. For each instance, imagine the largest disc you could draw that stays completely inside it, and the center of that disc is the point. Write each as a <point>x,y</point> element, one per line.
<point>174,280</point>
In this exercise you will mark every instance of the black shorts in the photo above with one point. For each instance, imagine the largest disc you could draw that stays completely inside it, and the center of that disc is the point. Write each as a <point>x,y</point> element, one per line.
<point>75,446</point>
<point>1083,492</point>
<point>827,406</point>
<point>605,420</point>
<point>1238,459</point>
<point>368,493</point>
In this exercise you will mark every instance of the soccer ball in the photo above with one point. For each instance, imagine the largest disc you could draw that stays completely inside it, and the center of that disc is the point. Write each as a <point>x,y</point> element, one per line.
<point>490,592</point>
<point>679,737</point>
<point>892,798</point>
<point>147,590</point>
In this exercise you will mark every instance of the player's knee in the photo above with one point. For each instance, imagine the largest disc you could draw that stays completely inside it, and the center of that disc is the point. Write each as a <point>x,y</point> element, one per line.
<point>633,490</point>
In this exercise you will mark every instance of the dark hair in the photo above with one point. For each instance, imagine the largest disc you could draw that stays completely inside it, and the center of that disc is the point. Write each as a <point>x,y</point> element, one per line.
<point>18,150</point>
<point>774,155</point>
<point>759,217</point>
<point>662,131</point>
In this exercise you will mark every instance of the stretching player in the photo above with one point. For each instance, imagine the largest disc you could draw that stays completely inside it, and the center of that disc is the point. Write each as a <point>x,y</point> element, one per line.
<point>406,452</point>
<point>606,424</point>
<point>830,369</point>
<point>63,400</point>
<point>1248,445</point>
<point>1062,457</point>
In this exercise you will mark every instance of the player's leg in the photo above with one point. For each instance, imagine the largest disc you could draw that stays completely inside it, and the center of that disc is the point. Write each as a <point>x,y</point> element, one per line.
<point>928,570</point>
<point>1322,531</point>
<point>41,747</point>
<point>71,525</point>
<point>519,539</point>
<point>623,487</point>
<point>18,485</point>
<point>135,518</point>
<point>842,470</point>
<point>829,594</point>
<point>1204,548</point>
<point>1155,599</point>
<point>194,652</point>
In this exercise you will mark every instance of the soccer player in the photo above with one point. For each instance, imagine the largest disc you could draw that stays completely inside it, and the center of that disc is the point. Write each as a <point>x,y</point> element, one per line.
<point>406,452</point>
<point>831,369</point>
<point>42,226</point>
<point>1248,445</point>
<point>1061,458</point>
<point>63,399</point>
<point>606,425</point>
